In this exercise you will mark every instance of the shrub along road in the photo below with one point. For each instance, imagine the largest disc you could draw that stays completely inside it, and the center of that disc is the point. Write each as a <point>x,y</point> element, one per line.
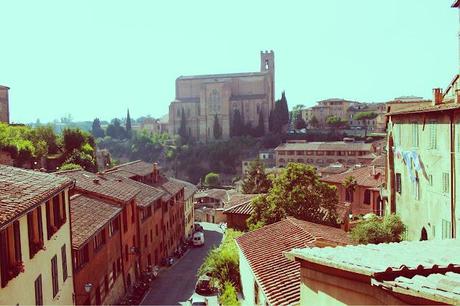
<point>176,285</point>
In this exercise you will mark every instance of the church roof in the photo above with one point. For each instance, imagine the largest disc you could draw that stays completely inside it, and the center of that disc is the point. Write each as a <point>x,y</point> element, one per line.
<point>224,75</point>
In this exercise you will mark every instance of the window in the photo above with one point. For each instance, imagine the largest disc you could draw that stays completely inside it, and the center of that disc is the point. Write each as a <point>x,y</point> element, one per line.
<point>145,240</point>
<point>125,220</point>
<point>126,252</point>
<point>64,263</point>
<point>38,291</point>
<point>114,226</point>
<point>133,212</point>
<point>290,153</point>
<point>309,152</point>
<point>300,152</point>
<point>99,240</point>
<point>398,186</point>
<point>446,229</point>
<point>445,182</point>
<point>54,275</point>
<point>416,189</point>
<point>351,153</point>
<point>330,153</point>
<point>430,179</point>
<point>81,257</point>
<point>156,229</point>
<point>151,235</point>
<point>319,153</point>
<point>35,231</point>
<point>433,135</point>
<point>282,152</point>
<point>415,140</point>
<point>10,253</point>
<point>55,214</point>
<point>367,197</point>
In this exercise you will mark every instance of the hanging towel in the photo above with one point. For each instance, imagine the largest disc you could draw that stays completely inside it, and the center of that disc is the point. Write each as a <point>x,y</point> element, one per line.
<point>407,156</point>
<point>416,159</point>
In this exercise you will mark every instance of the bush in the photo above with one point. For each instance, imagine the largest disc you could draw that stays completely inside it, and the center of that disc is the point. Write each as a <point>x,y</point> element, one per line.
<point>377,230</point>
<point>222,263</point>
<point>229,296</point>
<point>212,179</point>
<point>70,166</point>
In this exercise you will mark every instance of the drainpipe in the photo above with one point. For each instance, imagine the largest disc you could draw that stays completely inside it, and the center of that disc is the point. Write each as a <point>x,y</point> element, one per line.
<point>452,174</point>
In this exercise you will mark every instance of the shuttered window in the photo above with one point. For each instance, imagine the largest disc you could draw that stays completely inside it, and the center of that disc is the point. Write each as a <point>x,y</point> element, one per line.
<point>446,229</point>
<point>398,183</point>
<point>17,241</point>
<point>433,135</point>
<point>54,275</point>
<point>445,182</point>
<point>415,140</point>
<point>38,291</point>
<point>64,263</point>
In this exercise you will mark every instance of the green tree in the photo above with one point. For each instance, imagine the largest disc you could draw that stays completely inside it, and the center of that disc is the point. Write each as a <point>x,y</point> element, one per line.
<point>73,139</point>
<point>115,130</point>
<point>297,192</point>
<point>217,129</point>
<point>97,130</point>
<point>222,263</point>
<point>283,110</point>
<point>350,185</point>
<point>255,180</point>
<point>377,230</point>
<point>70,166</point>
<point>314,122</point>
<point>183,126</point>
<point>260,130</point>
<point>365,117</point>
<point>229,296</point>
<point>128,126</point>
<point>299,122</point>
<point>335,122</point>
<point>212,179</point>
<point>237,124</point>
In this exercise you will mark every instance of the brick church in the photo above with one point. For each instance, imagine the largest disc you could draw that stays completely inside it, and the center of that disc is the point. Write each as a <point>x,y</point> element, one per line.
<point>203,97</point>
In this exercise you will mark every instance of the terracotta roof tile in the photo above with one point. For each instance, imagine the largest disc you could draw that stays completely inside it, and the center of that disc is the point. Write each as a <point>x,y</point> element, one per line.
<point>147,194</point>
<point>424,108</point>
<point>189,188</point>
<point>278,277</point>
<point>103,185</point>
<point>215,193</point>
<point>326,146</point>
<point>88,216</point>
<point>22,190</point>
<point>363,177</point>
<point>238,199</point>
<point>138,167</point>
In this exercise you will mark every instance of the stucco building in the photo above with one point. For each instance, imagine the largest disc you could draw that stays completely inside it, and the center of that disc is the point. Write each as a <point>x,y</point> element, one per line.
<point>321,154</point>
<point>202,98</point>
<point>189,209</point>
<point>405,273</point>
<point>423,170</point>
<point>35,243</point>
<point>4,104</point>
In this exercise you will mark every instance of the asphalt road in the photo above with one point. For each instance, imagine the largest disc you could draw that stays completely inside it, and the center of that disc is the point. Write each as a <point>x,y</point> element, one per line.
<point>176,285</point>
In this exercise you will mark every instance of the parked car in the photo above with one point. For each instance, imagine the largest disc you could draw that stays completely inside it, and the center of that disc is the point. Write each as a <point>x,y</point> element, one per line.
<point>198,239</point>
<point>204,286</point>
<point>198,228</point>
<point>198,301</point>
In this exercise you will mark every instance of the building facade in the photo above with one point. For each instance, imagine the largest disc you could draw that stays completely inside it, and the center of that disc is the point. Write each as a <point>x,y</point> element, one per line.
<point>35,243</point>
<point>422,166</point>
<point>203,98</point>
<point>4,104</point>
<point>320,154</point>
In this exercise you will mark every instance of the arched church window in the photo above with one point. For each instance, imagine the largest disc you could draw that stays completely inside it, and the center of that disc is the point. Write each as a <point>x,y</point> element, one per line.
<point>266,64</point>
<point>214,101</point>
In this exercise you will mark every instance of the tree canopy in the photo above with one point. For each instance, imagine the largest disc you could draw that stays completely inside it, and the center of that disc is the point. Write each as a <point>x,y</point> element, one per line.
<point>115,130</point>
<point>279,116</point>
<point>212,179</point>
<point>365,115</point>
<point>335,122</point>
<point>377,230</point>
<point>128,125</point>
<point>255,180</point>
<point>96,129</point>
<point>298,192</point>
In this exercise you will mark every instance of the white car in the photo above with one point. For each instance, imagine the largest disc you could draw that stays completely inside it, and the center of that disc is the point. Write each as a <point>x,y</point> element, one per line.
<point>198,239</point>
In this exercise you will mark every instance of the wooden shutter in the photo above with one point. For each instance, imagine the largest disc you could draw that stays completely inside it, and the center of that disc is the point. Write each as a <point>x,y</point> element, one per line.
<point>48,220</point>
<point>40,223</point>
<point>30,231</point>
<point>4,258</point>
<point>64,263</point>
<point>54,275</point>
<point>17,241</point>
<point>38,291</point>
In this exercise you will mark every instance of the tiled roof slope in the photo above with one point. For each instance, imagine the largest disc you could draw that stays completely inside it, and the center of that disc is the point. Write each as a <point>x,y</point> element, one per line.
<point>22,190</point>
<point>245,208</point>
<point>189,188</point>
<point>215,193</point>
<point>147,194</point>
<point>424,108</point>
<point>103,185</point>
<point>325,146</point>
<point>88,216</point>
<point>363,177</point>
<point>263,249</point>
<point>372,258</point>
<point>138,167</point>
<point>238,199</point>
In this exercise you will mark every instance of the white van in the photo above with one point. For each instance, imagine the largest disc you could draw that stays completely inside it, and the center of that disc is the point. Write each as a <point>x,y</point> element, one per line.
<point>198,239</point>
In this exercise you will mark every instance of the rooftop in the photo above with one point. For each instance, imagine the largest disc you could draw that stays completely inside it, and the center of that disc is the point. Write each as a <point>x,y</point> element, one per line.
<point>426,269</point>
<point>424,108</point>
<point>263,249</point>
<point>88,216</point>
<point>22,190</point>
<point>325,146</point>
<point>106,186</point>
<point>136,168</point>
<point>224,75</point>
<point>189,188</point>
<point>364,176</point>
<point>240,204</point>
<point>215,193</point>
<point>147,194</point>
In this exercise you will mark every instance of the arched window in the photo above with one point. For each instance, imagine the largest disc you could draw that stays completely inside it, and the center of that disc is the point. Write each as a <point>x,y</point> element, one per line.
<point>423,235</point>
<point>367,197</point>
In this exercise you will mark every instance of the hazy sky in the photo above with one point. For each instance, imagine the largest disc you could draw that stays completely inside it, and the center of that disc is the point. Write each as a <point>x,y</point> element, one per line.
<point>96,58</point>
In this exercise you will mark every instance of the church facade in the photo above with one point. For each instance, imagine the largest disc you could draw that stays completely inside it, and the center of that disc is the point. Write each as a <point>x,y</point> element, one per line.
<point>203,98</point>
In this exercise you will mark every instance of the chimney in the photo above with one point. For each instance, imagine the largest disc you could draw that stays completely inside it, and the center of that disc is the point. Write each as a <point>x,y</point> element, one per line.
<point>437,96</point>
<point>155,173</point>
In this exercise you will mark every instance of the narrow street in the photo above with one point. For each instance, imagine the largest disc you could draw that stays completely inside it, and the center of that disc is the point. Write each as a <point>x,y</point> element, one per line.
<point>176,285</point>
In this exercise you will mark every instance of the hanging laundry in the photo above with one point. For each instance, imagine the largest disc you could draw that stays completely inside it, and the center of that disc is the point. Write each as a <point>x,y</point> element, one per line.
<point>416,159</point>
<point>407,157</point>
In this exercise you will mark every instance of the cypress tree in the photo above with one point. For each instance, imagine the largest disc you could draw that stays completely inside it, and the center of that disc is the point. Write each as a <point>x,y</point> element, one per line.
<point>128,125</point>
<point>284,110</point>
<point>217,129</point>
<point>237,124</point>
<point>260,127</point>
